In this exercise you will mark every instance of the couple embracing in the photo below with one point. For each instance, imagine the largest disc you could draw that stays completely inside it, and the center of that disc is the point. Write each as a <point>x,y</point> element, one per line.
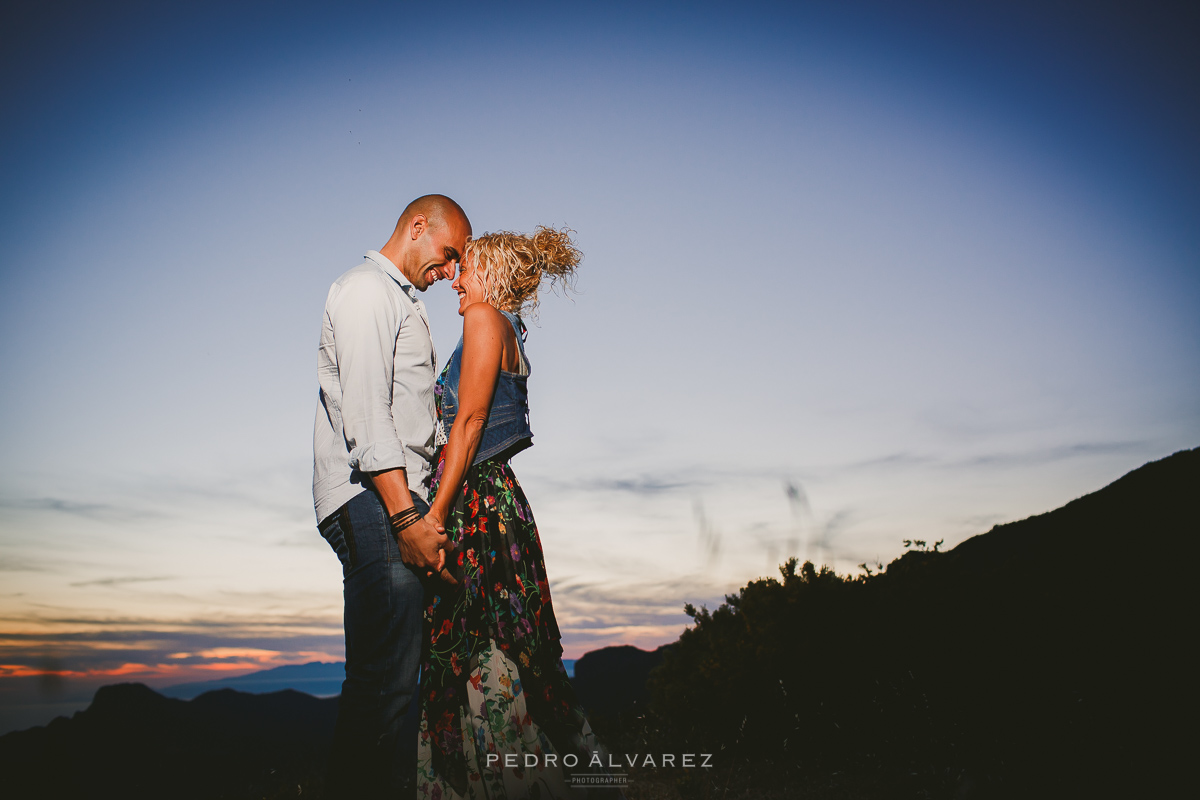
<point>442,567</point>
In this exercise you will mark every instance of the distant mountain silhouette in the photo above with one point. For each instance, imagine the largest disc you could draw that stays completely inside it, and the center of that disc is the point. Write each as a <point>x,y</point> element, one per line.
<point>612,680</point>
<point>318,678</point>
<point>134,743</point>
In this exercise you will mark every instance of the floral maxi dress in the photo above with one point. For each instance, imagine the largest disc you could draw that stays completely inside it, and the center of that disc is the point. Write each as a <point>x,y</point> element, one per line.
<point>498,712</point>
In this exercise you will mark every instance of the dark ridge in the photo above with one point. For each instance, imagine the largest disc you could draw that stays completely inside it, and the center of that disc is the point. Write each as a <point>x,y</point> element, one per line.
<point>1154,507</point>
<point>134,743</point>
<point>1044,658</point>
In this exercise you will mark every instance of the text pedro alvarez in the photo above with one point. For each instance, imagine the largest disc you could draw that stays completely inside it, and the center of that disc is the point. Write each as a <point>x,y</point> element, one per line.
<point>570,760</point>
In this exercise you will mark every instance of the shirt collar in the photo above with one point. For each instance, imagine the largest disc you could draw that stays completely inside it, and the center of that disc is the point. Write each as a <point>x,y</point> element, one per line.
<point>385,264</point>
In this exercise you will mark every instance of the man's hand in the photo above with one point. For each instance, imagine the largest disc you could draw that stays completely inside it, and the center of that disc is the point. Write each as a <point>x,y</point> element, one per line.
<point>424,546</point>
<point>421,545</point>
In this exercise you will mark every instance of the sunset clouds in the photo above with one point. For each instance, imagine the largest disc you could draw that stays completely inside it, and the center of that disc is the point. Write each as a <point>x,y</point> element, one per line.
<point>853,274</point>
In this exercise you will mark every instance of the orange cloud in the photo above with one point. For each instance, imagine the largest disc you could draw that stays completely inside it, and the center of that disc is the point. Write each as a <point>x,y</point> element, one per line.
<point>223,660</point>
<point>141,670</point>
<point>261,656</point>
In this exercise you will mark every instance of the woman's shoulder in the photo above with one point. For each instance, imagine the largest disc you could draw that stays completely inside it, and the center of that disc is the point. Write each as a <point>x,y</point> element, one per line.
<point>482,311</point>
<point>484,317</point>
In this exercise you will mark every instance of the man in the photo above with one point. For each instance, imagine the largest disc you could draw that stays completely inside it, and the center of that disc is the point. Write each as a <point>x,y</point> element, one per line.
<point>372,450</point>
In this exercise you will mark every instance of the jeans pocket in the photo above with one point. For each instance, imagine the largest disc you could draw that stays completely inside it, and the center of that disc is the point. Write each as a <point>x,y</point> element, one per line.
<point>340,535</point>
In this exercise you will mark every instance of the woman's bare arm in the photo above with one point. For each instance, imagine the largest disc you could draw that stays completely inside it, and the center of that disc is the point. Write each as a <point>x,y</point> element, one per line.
<point>484,331</point>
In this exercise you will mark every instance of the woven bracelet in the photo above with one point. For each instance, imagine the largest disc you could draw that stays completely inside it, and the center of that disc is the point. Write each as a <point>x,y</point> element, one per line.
<point>404,519</point>
<point>409,524</point>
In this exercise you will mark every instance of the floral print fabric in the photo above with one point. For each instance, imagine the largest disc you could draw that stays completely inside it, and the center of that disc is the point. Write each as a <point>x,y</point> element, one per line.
<point>496,720</point>
<point>500,611</point>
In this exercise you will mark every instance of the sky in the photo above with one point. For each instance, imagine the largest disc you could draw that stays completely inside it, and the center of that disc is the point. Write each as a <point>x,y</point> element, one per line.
<point>854,273</point>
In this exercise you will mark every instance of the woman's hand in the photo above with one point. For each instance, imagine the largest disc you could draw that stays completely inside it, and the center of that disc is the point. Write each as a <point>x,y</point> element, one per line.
<point>447,548</point>
<point>436,516</point>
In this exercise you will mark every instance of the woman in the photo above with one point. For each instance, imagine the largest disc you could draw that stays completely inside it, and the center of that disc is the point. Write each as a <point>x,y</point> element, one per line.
<point>492,679</point>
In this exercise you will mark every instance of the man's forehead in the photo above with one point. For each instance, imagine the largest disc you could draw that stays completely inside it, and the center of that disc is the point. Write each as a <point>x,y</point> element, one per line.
<point>453,226</point>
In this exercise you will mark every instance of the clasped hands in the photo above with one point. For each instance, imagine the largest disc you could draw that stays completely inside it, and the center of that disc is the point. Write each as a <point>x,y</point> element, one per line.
<point>423,543</point>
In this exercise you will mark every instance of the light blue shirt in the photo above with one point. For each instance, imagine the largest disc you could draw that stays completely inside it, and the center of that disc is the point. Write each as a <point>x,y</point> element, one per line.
<point>376,366</point>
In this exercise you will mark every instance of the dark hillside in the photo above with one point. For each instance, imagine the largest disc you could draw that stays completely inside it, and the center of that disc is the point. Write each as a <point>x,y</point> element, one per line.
<point>1043,658</point>
<point>1149,515</point>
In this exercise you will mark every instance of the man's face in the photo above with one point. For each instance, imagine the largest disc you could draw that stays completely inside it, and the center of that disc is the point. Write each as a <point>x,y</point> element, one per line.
<point>435,251</point>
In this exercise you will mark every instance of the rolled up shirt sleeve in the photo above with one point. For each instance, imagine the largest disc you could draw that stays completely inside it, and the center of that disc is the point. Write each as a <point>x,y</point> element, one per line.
<point>365,325</point>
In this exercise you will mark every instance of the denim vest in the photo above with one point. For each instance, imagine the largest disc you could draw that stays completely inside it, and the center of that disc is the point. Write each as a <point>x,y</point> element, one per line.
<point>507,428</point>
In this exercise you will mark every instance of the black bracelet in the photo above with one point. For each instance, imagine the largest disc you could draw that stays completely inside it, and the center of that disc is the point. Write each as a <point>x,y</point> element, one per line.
<point>409,524</point>
<point>407,515</point>
<point>404,519</point>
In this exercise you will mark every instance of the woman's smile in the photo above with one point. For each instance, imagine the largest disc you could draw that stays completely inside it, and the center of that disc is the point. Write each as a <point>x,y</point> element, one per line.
<point>469,286</point>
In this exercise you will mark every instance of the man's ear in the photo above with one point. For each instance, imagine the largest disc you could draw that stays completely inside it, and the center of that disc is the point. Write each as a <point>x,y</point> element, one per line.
<point>419,224</point>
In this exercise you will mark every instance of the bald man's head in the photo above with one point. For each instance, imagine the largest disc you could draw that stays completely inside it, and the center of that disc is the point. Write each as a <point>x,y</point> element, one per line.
<point>438,209</point>
<point>429,239</point>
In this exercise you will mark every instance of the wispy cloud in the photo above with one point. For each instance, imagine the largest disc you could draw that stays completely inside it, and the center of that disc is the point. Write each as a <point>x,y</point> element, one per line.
<point>907,460</point>
<point>1038,456</point>
<point>121,581</point>
<point>894,461</point>
<point>10,564</point>
<point>644,484</point>
<point>637,484</point>
<point>102,512</point>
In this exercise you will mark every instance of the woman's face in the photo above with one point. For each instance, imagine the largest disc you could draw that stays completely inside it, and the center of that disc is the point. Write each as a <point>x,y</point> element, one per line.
<point>468,284</point>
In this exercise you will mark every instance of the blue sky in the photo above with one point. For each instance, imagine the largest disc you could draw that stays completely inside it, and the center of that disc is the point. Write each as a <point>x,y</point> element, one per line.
<point>934,266</point>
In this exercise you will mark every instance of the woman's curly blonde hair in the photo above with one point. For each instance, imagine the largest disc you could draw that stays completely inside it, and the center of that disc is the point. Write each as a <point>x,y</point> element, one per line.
<point>513,265</point>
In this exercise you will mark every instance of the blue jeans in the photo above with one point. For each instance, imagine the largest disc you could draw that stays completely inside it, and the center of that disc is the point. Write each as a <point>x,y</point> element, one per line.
<point>371,755</point>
